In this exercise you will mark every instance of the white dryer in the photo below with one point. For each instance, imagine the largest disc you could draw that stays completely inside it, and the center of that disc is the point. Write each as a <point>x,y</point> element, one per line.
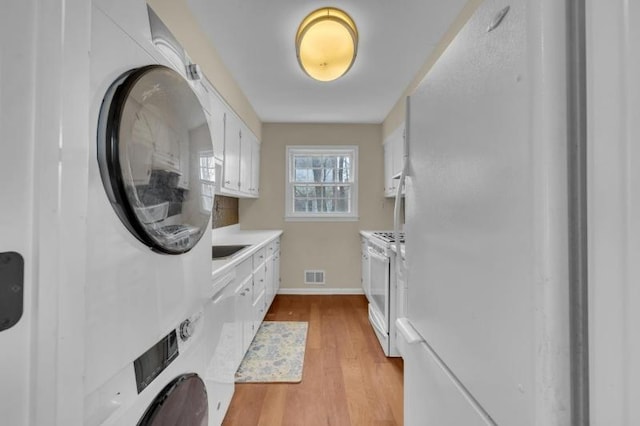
<point>149,210</point>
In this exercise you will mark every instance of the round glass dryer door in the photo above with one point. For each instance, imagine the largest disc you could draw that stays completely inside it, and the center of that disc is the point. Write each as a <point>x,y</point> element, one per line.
<point>156,158</point>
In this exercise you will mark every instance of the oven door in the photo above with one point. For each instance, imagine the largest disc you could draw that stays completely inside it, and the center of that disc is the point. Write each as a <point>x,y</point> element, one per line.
<point>379,287</point>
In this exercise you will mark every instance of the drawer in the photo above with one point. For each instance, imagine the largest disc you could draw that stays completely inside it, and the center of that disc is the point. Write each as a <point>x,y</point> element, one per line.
<point>258,282</point>
<point>244,269</point>
<point>273,247</point>
<point>259,309</point>
<point>258,258</point>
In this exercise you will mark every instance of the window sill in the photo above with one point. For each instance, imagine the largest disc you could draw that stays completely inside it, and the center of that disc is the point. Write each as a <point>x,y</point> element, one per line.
<point>321,218</point>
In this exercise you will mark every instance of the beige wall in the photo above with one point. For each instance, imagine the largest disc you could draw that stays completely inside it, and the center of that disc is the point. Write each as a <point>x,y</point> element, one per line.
<point>396,116</point>
<point>177,16</point>
<point>332,246</point>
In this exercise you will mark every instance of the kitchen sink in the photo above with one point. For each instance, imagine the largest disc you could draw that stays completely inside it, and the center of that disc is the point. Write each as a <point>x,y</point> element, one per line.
<point>220,252</point>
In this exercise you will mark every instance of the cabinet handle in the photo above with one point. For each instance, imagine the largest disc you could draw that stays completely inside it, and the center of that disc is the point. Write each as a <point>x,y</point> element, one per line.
<point>261,280</point>
<point>228,182</point>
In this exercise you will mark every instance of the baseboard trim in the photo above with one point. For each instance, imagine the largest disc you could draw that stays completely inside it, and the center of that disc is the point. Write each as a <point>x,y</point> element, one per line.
<point>320,291</point>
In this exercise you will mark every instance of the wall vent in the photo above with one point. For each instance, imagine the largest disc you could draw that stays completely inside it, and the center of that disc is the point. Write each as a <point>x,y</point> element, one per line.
<point>313,277</point>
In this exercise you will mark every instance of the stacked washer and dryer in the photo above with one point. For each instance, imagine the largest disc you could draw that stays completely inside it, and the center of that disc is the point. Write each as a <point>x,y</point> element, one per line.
<point>150,200</point>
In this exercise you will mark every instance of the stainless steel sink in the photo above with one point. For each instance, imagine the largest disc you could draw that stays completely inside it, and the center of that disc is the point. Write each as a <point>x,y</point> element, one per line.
<point>220,252</point>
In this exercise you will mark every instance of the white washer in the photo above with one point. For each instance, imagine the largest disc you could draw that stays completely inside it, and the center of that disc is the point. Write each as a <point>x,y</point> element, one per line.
<point>149,208</point>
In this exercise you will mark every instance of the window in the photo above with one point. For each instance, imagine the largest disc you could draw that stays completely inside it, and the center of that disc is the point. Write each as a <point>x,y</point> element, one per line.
<point>207,180</point>
<point>322,183</point>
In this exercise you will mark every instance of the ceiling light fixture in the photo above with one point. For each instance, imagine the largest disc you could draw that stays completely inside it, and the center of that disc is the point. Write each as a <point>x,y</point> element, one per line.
<point>326,44</point>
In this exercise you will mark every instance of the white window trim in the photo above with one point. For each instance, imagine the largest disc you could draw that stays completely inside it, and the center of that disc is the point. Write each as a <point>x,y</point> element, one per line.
<point>290,216</point>
<point>202,181</point>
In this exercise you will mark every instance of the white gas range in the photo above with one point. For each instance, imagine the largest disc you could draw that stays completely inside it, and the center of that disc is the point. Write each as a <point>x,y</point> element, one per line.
<point>384,291</point>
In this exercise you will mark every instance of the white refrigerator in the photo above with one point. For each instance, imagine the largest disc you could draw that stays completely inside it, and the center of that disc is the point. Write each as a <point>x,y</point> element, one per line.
<point>486,336</point>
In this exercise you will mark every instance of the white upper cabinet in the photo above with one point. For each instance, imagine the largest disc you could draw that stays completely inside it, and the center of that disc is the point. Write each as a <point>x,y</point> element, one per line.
<point>235,148</point>
<point>389,188</point>
<point>231,159</point>
<point>254,189</point>
<point>245,159</point>
<point>250,163</point>
<point>218,113</point>
<point>393,158</point>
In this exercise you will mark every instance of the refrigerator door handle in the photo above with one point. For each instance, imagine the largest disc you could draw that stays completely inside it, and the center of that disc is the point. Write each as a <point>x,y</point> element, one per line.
<point>408,332</point>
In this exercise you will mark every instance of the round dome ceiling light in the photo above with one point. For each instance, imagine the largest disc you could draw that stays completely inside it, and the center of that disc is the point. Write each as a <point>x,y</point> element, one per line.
<point>326,44</point>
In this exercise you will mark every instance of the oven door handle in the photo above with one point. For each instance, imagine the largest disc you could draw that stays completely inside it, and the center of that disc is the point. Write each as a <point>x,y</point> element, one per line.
<point>375,322</point>
<point>377,255</point>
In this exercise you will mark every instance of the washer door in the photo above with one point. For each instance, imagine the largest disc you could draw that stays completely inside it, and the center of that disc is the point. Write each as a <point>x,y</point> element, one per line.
<point>156,158</point>
<point>183,402</point>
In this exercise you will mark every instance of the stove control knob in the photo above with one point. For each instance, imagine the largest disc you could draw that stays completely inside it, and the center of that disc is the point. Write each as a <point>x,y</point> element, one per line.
<point>186,330</point>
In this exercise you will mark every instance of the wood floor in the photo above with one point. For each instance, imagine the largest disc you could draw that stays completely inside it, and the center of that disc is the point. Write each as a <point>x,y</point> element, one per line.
<point>347,380</point>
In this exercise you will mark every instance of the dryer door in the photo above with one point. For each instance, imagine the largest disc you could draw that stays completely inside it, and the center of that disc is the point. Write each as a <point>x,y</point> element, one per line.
<point>181,402</point>
<point>156,158</point>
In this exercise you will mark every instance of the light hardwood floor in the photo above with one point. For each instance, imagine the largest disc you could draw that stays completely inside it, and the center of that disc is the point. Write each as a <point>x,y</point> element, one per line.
<point>346,380</point>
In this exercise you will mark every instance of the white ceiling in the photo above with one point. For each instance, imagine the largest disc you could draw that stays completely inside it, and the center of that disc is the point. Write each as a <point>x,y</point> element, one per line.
<point>255,39</point>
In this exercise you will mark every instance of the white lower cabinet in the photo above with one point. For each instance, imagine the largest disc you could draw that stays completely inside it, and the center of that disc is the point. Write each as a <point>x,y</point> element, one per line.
<point>269,285</point>
<point>272,271</point>
<point>239,302</point>
<point>276,266</point>
<point>259,293</point>
<point>244,302</point>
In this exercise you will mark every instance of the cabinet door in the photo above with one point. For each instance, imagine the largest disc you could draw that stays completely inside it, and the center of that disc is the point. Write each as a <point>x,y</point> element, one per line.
<point>389,187</point>
<point>276,269</point>
<point>217,123</point>
<point>245,159</point>
<point>268,281</point>
<point>244,314</point>
<point>397,143</point>
<point>255,167</point>
<point>393,158</point>
<point>259,281</point>
<point>276,274</point>
<point>259,310</point>
<point>231,161</point>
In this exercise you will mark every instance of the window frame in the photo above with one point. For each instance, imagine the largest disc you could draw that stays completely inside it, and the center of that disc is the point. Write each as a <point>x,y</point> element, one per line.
<point>293,150</point>
<point>211,171</point>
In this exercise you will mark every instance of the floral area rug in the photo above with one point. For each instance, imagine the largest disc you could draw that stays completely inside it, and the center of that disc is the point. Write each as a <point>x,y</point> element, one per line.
<point>276,354</point>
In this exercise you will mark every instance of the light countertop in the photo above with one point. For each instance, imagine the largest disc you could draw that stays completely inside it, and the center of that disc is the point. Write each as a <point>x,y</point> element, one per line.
<point>233,235</point>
